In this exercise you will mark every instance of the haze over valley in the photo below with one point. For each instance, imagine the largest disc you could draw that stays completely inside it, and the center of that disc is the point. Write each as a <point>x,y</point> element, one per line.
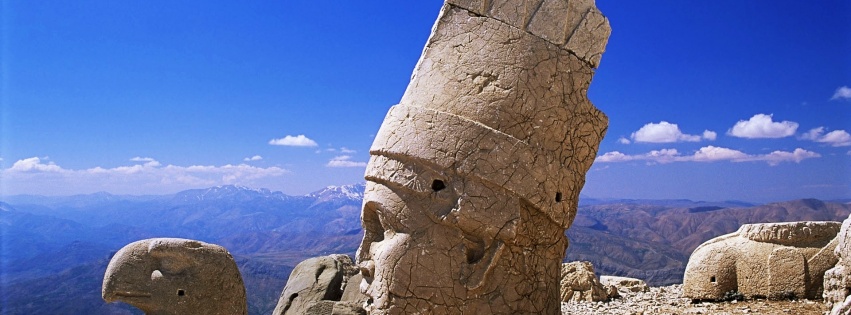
<point>55,249</point>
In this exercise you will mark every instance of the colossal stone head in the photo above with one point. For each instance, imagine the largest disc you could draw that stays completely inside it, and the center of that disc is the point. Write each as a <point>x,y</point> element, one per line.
<point>475,175</point>
<point>175,276</point>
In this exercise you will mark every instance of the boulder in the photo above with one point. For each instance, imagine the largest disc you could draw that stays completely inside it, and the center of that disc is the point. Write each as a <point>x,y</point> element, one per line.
<point>352,293</point>
<point>625,284</point>
<point>579,283</point>
<point>773,260</point>
<point>313,280</point>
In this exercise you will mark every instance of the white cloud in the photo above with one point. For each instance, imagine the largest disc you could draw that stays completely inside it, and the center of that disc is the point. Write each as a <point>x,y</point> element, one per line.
<point>658,156</point>
<point>33,175</point>
<point>709,154</point>
<point>710,135</point>
<point>253,158</point>
<point>813,134</point>
<point>614,156</point>
<point>762,126</point>
<point>34,164</point>
<point>347,150</point>
<point>778,157</point>
<point>148,161</point>
<point>842,92</point>
<point>713,153</point>
<point>623,140</point>
<point>344,161</point>
<point>142,159</point>
<point>294,141</point>
<point>836,138</point>
<point>665,132</point>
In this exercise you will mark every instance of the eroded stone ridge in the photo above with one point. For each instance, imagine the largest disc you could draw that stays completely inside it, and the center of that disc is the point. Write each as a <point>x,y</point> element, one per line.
<point>475,174</point>
<point>175,276</point>
<point>773,260</point>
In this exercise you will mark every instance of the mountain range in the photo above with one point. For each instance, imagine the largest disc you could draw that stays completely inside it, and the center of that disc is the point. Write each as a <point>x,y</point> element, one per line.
<point>54,250</point>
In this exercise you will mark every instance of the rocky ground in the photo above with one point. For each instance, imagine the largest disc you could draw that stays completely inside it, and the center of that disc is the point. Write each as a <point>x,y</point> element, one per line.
<point>668,300</point>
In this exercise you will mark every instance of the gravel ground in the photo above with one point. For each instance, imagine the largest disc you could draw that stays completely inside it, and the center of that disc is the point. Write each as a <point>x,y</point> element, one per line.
<point>667,300</point>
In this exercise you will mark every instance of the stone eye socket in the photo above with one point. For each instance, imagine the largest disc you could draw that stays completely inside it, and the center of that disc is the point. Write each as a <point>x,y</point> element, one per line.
<point>437,185</point>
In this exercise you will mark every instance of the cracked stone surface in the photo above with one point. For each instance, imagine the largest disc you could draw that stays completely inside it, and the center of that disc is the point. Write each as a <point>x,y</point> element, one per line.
<point>475,175</point>
<point>773,260</point>
<point>175,276</point>
<point>837,280</point>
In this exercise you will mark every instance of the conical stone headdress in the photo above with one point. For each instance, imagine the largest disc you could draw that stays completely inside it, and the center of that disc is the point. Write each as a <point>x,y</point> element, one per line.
<point>500,94</point>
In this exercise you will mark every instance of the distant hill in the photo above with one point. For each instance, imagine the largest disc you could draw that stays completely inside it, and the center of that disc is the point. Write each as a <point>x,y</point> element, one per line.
<point>653,242</point>
<point>268,233</point>
<point>55,249</point>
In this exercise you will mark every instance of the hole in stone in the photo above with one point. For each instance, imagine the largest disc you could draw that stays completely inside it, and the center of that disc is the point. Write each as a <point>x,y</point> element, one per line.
<point>558,197</point>
<point>437,185</point>
<point>181,292</point>
<point>712,279</point>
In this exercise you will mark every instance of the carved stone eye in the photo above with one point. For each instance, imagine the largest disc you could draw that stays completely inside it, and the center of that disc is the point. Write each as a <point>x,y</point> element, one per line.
<point>437,185</point>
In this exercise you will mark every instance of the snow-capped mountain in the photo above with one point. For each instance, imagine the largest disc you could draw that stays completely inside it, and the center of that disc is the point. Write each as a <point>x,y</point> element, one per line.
<point>351,192</point>
<point>229,192</point>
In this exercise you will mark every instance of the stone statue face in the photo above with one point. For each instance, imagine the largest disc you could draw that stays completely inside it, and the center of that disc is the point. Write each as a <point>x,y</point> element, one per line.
<point>436,239</point>
<point>475,175</point>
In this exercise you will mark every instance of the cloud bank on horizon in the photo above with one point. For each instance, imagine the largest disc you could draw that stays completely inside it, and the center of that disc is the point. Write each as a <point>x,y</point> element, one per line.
<point>760,126</point>
<point>146,175</point>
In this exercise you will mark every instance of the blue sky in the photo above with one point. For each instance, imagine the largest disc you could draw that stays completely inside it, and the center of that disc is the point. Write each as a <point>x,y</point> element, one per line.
<point>720,100</point>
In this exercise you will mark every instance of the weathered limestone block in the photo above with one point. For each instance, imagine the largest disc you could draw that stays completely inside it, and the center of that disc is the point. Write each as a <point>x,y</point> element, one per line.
<point>579,283</point>
<point>313,280</point>
<point>475,175</point>
<point>837,280</point>
<point>175,276</point>
<point>625,284</point>
<point>773,260</point>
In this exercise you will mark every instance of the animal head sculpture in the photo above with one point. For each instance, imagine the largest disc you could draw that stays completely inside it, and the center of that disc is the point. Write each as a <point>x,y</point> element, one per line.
<point>475,175</point>
<point>175,276</point>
